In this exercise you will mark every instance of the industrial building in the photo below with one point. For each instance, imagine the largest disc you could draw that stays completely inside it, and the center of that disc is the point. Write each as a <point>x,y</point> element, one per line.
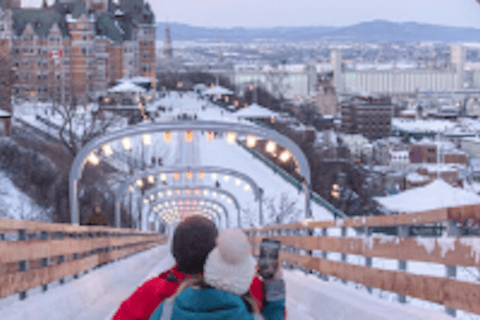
<point>400,81</point>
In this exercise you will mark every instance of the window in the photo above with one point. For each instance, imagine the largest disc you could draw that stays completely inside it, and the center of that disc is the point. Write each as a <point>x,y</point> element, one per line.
<point>146,54</point>
<point>25,76</point>
<point>84,51</point>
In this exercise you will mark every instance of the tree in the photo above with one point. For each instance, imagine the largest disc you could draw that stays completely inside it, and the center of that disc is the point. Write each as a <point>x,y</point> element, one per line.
<point>283,211</point>
<point>7,77</point>
<point>79,127</point>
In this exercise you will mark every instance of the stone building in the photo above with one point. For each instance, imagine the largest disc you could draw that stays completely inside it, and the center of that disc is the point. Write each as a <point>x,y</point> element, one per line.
<point>73,50</point>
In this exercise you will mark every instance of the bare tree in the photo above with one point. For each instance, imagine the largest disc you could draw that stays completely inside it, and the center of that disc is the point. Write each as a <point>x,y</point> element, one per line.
<point>7,77</point>
<point>78,128</point>
<point>283,211</point>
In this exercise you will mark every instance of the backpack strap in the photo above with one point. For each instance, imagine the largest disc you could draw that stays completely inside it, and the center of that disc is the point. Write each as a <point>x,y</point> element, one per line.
<point>168,309</point>
<point>171,277</point>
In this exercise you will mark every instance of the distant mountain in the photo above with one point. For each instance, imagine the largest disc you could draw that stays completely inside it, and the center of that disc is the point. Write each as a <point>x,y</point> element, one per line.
<point>378,30</point>
<point>185,32</point>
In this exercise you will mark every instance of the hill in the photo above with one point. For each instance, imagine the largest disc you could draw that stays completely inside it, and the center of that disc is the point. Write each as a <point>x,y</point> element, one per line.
<point>378,31</point>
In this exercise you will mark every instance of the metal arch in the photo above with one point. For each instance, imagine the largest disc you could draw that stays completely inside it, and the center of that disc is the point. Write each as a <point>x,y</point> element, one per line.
<point>212,213</point>
<point>155,190</point>
<point>192,199</point>
<point>206,169</point>
<point>79,161</point>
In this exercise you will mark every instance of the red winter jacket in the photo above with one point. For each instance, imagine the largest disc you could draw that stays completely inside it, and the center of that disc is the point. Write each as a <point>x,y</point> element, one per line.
<point>145,299</point>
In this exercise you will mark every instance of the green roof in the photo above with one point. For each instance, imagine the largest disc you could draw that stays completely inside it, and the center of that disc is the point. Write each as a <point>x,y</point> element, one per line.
<point>79,9</point>
<point>105,25</point>
<point>41,20</point>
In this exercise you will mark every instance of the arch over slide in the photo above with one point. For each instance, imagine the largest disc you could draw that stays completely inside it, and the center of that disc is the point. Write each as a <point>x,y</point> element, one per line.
<point>258,192</point>
<point>154,194</point>
<point>221,207</point>
<point>217,126</point>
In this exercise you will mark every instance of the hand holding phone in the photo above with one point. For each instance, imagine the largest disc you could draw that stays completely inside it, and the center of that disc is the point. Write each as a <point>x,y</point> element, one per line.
<point>268,260</point>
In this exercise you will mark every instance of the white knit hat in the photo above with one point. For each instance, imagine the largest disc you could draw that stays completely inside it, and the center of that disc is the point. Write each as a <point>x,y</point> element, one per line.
<point>230,266</point>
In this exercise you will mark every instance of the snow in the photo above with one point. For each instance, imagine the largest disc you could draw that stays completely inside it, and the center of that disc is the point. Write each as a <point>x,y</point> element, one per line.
<point>98,294</point>
<point>435,195</point>
<point>4,114</point>
<point>311,298</point>
<point>14,204</point>
<point>217,90</point>
<point>136,80</point>
<point>416,178</point>
<point>410,125</point>
<point>95,295</point>
<point>127,86</point>
<point>254,111</point>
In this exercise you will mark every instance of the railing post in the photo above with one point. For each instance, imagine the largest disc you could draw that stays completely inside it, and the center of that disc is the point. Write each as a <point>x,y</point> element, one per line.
<point>61,259</point>
<point>402,232</point>
<point>324,253</point>
<point>22,265</point>
<point>45,261</point>
<point>344,256</point>
<point>451,271</point>
<point>75,255</point>
<point>368,260</point>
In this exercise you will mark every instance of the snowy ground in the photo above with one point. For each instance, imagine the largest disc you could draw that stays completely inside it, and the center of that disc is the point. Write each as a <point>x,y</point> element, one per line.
<point>14,204</point>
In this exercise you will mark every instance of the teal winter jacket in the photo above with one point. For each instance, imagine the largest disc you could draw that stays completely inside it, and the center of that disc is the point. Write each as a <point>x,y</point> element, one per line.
<point>213,304</point>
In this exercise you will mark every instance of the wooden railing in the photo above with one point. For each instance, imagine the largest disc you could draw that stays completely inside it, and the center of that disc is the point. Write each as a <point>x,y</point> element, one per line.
<point>34,254</point>
<point>310,252</point>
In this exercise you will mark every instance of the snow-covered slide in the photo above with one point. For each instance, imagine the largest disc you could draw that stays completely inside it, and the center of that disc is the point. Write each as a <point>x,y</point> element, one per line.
<point>98,294</point>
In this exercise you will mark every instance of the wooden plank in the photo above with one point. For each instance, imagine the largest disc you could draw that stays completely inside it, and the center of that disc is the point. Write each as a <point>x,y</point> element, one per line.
<point>13,225</point>
<point>22,281</point>
<point>464,212</point>
<point>433,216</point>
<point>14,251</point>
<point>448,292</point>
<point>461,251</point>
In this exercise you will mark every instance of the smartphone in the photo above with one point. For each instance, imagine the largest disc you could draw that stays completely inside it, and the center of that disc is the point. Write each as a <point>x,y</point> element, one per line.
<point>268,260</point>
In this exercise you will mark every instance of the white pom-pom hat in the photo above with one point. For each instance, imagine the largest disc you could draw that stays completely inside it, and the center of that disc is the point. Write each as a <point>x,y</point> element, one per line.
<point>230,266</point>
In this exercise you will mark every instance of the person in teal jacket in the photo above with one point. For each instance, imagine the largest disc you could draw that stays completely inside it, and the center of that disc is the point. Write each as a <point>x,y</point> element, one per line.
<point>222,291</point>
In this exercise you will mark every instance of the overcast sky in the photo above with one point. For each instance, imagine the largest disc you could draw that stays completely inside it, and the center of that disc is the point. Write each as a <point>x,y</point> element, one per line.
<point>272,13</point>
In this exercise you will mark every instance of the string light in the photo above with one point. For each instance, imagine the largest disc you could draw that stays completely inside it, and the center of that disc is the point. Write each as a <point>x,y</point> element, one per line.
<point>146,139</point>
<point>126,143</point>
<point>107,150</point>
<point>93,159</point>
<point>231,137</point>
<point>271,147</point>
<point>251,141</point>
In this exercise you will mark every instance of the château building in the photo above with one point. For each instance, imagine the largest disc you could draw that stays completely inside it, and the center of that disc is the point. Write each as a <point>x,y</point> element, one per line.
<point>73,50</point>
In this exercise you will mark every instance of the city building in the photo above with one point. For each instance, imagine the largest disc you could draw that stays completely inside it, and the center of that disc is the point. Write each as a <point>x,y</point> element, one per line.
<point>396,81</point>
<point>73,50</point>
<point>368,116</point>
<point>283,82</point>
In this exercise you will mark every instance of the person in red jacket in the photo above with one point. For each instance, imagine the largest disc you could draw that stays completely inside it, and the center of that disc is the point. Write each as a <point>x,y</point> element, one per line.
<point>193,240</point>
